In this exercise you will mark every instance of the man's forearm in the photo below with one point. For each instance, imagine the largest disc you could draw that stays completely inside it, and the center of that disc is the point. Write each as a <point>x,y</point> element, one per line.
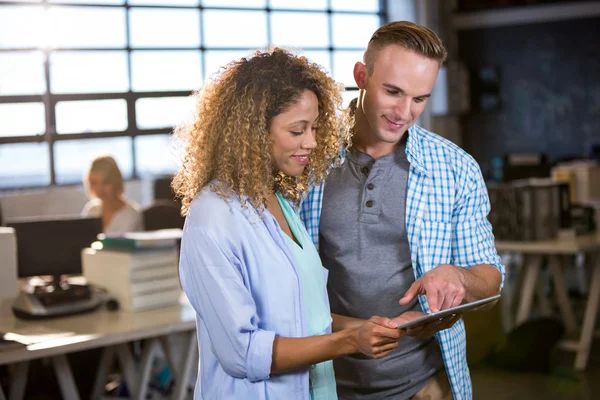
<point>480,281</point>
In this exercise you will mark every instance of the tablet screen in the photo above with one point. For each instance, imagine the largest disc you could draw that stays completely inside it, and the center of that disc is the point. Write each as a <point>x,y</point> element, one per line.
<point>447,312</point>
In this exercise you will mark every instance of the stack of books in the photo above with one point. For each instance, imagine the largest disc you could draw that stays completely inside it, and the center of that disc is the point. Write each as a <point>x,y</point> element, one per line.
<point>139,270</point>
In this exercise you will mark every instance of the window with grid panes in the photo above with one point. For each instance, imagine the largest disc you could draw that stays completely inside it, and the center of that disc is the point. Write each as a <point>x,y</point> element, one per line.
<point>80,78</point>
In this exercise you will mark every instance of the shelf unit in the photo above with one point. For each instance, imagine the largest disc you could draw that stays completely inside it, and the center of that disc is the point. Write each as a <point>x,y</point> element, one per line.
<point>529,14</point>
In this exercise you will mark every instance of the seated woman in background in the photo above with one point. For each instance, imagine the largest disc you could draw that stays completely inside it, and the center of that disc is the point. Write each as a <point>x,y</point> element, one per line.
<point>105,185</point>
<point>265,127</point>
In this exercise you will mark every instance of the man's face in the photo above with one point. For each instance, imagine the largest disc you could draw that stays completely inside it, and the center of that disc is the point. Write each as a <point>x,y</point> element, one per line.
<point>395,94</point>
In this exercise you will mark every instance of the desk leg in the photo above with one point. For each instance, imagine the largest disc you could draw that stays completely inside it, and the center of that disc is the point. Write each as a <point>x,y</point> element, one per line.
<point>128,368</point>
<point>65,377</point>
<point>589,319</point>
<point>106,361</point>
<point>531,271</point>
<point>562,295</point>
<point>19,380</point>
<point>150,349</point>
<point>183,377</point>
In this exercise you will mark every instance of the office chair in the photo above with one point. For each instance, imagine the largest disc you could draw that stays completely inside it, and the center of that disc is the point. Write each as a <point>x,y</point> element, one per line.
<point>162,214</point>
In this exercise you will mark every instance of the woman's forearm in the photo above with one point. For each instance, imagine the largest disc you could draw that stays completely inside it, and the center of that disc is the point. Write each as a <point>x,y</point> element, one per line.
<point>294,353</point>
<point>341,322</point>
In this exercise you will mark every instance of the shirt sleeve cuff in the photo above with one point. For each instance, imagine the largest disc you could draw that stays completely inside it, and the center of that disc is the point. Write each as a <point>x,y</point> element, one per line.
<point>260,356</point>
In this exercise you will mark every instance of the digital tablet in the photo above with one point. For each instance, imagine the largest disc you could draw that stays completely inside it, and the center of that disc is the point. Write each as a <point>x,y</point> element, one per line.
<point>447,312</point>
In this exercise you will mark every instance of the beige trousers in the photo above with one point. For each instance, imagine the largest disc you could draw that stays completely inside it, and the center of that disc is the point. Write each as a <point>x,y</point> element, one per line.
<point>437,389</point>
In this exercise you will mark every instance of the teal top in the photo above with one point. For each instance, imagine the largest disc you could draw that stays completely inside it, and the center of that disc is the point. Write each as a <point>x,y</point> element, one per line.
<point>316,307</point>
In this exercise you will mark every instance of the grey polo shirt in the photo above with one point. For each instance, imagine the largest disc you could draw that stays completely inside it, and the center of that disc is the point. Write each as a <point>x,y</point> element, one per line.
<point>364,245</point>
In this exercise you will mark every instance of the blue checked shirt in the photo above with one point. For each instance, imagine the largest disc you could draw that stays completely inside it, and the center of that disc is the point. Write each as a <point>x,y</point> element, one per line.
<point>446,220</point>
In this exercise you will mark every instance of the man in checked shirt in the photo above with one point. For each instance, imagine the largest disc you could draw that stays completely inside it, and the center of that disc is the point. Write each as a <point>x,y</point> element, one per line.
<point>403,216</point>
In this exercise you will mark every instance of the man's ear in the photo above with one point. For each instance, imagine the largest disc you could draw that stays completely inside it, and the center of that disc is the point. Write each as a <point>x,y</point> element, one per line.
<point>360,75</point>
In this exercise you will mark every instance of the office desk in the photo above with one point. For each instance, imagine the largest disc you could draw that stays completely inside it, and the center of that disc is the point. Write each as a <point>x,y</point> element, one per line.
<point>111,330</point>
<point>534,253</point>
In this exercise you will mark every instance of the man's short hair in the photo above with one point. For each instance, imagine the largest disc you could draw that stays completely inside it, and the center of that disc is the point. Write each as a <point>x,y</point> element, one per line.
<point>413,37</point>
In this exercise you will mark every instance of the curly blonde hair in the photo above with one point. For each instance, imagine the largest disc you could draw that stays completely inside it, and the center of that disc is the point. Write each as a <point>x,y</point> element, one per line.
<point>229,140</point>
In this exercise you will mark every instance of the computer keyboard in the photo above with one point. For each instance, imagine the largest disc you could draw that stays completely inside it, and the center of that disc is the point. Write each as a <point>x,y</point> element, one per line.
<point>46,301</point>
<point>60,296</point>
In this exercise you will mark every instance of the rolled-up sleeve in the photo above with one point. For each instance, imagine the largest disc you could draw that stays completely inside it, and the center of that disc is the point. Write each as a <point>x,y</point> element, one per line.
<point>214,284</point>
<point>472,237</point>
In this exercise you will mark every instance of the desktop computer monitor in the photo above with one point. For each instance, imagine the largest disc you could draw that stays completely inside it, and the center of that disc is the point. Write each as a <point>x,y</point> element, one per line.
<point>53,246</point>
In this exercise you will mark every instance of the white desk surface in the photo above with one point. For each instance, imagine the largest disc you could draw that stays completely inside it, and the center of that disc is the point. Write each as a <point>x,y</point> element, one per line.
<point>99,328</point>
<point>583,243</point>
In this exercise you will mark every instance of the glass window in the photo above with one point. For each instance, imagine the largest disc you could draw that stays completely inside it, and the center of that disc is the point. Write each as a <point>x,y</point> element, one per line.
<point>235,3</point>
<point>88,1</point>
<point>299,4</point>
<point>22,73</point>
<point>155,155</point>
<point>286,26</point>
<point>348,96</point>
<point>323,58</point>
<point>163,2</point>
<point>22,119</point>
<point>165,70</point>
<point>353,31</point>
<point>242,29</point>
<point>91,116</point>
<point>164,112</point>
<point>214,59</point>
<point>16,34</point>
<point>73,157</point>
<point>88,72</point>
<point>164,28</point>
<point>343,66</point>
<point>24,164</point>
<point>355,5</point>
<point>85,27</point>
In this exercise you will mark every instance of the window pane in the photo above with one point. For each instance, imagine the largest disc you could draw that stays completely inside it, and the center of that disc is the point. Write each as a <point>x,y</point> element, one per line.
<point>235,28</point>
<point>322,58</point>
<point>164,28</point>
<point>22,119</point>
<point>164,2</point>
<point>16,34</point>
<point>343,66</point>
<point>287,25</point>
<point>24,164</point>
<point>348,96</point>
<point>22,73</point>
<point>165,112</point>
<point>88,72</point>
<point>73,157</point>
<point>87,27</point>
<point>89,1</point>
<point>165,70</point>
<point>300,4</point>
<point>214,59</point>
<point>155,155</point>
<point>353,30</point>
<point>91,116</point>
<point>355,5</point>
<point>235,3</point>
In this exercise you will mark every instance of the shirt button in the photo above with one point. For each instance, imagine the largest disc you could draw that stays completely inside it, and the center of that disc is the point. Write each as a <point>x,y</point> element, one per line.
<point>369,203</point>
<point>365,170</point>
<point>370,186</point>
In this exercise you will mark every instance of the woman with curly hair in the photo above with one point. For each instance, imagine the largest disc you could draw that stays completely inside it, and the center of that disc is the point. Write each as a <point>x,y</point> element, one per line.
<point>267,125</point>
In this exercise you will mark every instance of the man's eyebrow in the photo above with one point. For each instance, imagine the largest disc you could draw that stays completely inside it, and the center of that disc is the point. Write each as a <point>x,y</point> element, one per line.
<point>389,86</point>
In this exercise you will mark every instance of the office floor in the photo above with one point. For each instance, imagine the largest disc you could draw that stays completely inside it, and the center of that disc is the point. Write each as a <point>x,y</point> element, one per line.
<point>562,383</point>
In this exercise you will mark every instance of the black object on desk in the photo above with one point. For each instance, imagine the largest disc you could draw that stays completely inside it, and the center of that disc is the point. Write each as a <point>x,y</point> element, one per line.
<point>53,247</point>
